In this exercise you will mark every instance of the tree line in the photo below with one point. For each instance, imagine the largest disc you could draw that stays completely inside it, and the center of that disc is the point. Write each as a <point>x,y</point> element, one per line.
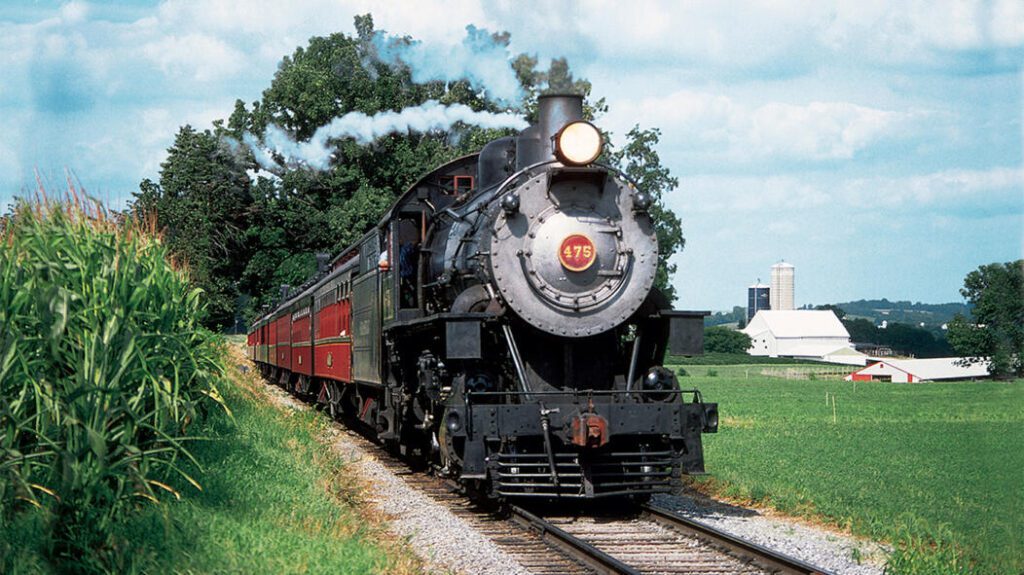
<point>991,332</point>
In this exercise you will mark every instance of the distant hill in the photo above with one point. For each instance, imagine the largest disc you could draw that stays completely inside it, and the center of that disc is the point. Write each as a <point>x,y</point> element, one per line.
<point>904,333</point>
<point>932,315</point>
<point>738,315</point>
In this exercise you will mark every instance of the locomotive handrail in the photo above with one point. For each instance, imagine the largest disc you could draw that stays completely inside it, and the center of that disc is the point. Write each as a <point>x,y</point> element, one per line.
<point>576,393</point>
<point>516,175</point>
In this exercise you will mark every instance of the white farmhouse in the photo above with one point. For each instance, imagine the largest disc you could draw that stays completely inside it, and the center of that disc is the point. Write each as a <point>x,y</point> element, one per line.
<point>802,334</point>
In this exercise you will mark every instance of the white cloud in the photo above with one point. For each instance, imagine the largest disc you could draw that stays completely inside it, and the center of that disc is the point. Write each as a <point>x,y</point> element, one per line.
<point>960,192</point>
<point>441,21</point>
<point>196,56</point>
<point>971,189</point>
<point>770,38</point>
<point>1007,23</point>
<point>707,34</point>
<point>148,132</point>
<point>912,30</point>
<point>818,131</point>
<point>721,127</point>
<point>74,12</point>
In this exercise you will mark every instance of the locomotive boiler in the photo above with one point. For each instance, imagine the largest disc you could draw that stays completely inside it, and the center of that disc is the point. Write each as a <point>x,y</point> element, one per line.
<point>501,324</point>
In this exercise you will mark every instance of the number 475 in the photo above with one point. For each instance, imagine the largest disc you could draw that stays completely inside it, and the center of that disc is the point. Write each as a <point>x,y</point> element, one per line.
<point>576,251</point>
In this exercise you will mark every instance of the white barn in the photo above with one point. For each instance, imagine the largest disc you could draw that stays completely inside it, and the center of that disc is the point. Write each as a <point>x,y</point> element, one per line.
<point>802,334</point>
<point>914,370</point>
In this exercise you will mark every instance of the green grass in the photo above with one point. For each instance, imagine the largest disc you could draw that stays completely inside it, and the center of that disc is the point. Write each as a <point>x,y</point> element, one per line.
<point>937,469</point>
<point>274,500</point>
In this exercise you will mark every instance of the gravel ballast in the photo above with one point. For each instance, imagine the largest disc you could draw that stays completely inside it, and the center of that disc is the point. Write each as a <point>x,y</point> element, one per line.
<point>434,532</point>
<point>445,542</point>
<point>820,547</point>
<point>449,544</point>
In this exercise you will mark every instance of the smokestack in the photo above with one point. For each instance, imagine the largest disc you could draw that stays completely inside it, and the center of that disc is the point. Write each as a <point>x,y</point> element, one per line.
<point>553,112</point>
<point>322,261</point>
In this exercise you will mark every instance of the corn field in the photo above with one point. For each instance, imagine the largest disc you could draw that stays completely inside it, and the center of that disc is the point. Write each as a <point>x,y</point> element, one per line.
<point>103,367</point>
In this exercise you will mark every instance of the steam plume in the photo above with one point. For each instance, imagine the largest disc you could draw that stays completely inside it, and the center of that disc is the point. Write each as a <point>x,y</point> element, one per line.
<point>316,154</point>
<point>482,58</point>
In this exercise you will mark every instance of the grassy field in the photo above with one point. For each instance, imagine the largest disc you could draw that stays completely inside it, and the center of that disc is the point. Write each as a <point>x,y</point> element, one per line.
<point>937,469</point>
<point>274,500</point>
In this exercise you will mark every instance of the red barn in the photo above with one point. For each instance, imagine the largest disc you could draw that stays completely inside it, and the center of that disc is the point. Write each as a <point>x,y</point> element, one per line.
<point>915,370</point>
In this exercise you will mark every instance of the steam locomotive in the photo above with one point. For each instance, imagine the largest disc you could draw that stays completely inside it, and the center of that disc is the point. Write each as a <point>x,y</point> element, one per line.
<point>500,323</point>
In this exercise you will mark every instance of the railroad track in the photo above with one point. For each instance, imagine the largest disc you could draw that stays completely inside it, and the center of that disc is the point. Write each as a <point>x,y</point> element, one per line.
<point>648,540</point>
<point>657,541</point>
<point>771,560</point>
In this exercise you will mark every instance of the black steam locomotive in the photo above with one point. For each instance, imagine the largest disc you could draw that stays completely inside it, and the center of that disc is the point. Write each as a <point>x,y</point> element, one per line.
<point>500,322</point>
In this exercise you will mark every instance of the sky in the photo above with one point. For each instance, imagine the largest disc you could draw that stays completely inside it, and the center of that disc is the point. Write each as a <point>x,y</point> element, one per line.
<point>874,145</point>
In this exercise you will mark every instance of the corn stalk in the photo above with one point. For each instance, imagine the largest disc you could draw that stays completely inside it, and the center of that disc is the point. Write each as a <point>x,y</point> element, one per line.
<point>103,363</point>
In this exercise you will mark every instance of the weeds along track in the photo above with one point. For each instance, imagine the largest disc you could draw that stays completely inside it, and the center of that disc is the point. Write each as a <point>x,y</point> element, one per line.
<point>567,540</point>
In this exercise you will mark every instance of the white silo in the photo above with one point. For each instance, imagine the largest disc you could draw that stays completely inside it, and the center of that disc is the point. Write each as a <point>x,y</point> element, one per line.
<point>782,286</point>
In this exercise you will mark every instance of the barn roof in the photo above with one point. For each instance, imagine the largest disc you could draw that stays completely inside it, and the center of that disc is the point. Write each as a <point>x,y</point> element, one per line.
<point>934,368</point>
<point>797,323</point>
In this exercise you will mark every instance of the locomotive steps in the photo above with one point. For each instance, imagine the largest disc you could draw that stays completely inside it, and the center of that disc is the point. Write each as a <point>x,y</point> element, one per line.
<point>453,535</point>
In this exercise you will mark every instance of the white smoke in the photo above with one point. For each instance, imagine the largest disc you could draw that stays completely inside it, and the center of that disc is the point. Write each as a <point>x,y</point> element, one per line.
<point>481,59</point>
<point>431,116</point>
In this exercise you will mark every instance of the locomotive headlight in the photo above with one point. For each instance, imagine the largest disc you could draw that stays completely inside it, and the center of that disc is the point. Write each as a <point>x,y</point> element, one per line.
<point>578,144</point>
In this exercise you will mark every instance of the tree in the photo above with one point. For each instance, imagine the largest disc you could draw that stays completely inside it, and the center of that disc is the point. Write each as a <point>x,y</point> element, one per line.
<point>996,330</point>
<point>738,315</point>
<point>557,79</point>
<point>201,207</point>
<point>639,160</point>
<point>834,309</point>
<point>862,330</point>
<point>297,211</point>
<point>724,340</point>
<point>901,337</point>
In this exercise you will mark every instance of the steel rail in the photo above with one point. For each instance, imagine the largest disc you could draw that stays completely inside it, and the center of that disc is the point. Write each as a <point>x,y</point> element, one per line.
<point>575,547</point>
<point>759,555</point>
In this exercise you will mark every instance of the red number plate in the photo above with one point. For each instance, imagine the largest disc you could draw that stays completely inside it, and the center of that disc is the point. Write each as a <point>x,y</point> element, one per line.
<point>577,253</point>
